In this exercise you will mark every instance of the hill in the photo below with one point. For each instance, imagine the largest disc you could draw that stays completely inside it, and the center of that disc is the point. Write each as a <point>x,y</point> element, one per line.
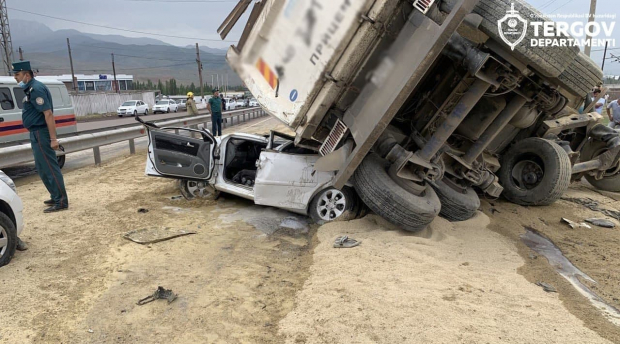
<point>145,58</point>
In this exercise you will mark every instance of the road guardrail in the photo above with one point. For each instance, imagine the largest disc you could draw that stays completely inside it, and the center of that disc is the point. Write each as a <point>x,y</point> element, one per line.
<point>21,154</point>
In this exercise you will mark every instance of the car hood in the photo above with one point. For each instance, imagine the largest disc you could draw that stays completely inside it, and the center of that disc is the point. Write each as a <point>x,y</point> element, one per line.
<point>126,107</point>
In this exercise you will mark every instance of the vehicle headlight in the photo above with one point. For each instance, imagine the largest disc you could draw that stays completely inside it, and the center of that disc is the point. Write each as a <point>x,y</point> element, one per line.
<point>8,181</point>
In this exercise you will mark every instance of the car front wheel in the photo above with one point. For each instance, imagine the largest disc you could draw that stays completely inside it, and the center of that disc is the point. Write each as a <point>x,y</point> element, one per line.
<point>146,112</point>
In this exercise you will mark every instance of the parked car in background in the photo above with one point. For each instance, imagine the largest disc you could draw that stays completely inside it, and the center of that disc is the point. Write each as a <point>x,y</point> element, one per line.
<point>165,105</point>
<point>231,104</point>
<point>11,218</point>
<point>181,104</point>
<point>253,102</point>
<point>133,108</point>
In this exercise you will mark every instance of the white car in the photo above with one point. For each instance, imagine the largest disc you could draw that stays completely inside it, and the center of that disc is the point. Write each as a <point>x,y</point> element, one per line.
<point>231,104</point>
<point>133,108</point>
<point>253,102</point>
<point>11,218</point>
<point>270,171</point>
<point>165,105</point>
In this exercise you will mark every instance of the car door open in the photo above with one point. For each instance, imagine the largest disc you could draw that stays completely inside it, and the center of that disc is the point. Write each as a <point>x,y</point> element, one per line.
<point>179,155</point>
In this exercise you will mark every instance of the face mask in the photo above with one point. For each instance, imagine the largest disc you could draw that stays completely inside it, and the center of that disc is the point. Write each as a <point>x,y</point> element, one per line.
<point>21,84</point>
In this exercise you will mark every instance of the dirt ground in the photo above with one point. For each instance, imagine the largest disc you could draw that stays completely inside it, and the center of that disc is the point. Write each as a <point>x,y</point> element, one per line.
<point>243,278</point>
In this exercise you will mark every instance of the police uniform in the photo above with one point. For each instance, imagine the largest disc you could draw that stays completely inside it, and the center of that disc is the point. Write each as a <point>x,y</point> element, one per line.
<point>38,99</point>
<point>216,115</point>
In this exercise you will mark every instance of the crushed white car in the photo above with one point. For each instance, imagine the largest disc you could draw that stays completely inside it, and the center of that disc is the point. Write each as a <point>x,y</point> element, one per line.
<point>269,170</point>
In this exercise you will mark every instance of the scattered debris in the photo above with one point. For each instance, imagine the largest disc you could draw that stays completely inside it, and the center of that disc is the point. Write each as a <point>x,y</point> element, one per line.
<point>547,287</point>
<point>160,293</point>
<point>593,205</point>
<point>176,198</point>
<point>143,210</point>
<point>601,222</point>
<point>570,272</point>
<point>493,211</point>
<point>90,331</point>
<point>345,242</point>
<point>574,225</point>
<point>146,236</point>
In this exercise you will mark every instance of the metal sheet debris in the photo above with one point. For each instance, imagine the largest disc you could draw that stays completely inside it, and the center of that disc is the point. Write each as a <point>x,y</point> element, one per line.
<point>152,235</point>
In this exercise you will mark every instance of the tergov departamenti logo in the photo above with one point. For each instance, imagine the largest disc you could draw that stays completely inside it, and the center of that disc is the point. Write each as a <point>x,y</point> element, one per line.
<point>512,27</point>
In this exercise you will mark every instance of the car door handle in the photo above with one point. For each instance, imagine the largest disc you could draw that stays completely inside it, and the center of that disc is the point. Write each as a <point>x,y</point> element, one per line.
<point>189,145</point>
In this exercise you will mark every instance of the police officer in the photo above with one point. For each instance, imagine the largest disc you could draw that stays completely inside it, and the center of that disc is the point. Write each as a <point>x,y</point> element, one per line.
<point>38,118</point>
<point>215,108</point>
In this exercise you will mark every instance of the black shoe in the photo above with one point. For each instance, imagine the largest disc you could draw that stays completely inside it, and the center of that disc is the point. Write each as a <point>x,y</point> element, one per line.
<point>21,246</point>
<point>56,208</point>
<point>49,202</point>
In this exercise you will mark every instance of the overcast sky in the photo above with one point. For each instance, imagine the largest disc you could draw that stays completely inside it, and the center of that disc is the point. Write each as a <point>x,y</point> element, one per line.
<point>185,18</point>
<point>201,18</point>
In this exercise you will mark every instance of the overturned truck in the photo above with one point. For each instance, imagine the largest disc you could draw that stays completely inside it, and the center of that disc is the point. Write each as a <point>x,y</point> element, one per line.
<point>417,104</point>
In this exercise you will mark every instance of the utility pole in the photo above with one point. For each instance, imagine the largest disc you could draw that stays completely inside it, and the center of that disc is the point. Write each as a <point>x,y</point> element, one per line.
<point>604,56</point>
<point>217,78</point>
<point>21,54</point>
<point>114,71</point>
<point>202,91</point>
<point>70,62</point>
<point>212,85</point>
<point>5,40</point>
<point>588,47</point>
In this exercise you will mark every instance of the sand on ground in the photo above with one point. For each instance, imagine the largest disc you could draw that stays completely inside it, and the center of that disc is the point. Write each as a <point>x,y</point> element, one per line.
<point>244,279</point>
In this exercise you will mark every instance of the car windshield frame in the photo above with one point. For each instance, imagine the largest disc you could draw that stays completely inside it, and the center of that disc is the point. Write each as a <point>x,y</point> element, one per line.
<point>130,103</point>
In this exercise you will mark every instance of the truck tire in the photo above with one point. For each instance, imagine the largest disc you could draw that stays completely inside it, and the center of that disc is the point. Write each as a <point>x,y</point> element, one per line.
<point>581,75</point>
<point>8,232</point>
<point>535,171</point>
<point>456,205</point>
<point>611,178</point>
<point>332,204</point>
<point>391,201</point>
<point>549,61</point>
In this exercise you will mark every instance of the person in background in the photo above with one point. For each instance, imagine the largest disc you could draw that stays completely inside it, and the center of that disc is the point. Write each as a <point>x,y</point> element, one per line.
<point>600,104</point>
<point>614,114</point>
<point>223,102</point>
<point>190,104</point>
<point>215,108</point>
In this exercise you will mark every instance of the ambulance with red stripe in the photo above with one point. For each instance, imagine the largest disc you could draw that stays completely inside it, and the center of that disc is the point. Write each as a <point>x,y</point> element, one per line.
<point>12,99</point>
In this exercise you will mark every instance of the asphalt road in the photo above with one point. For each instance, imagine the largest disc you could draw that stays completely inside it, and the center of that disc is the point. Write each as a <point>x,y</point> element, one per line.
<point>112,122</point>
<point>85,158</point>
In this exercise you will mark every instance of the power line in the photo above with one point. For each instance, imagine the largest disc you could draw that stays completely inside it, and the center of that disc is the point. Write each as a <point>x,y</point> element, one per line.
<point>604,49</point>
<point>564,4</point>
<point>547,5</point>
<point>184,1</point>
<point>118,29</point>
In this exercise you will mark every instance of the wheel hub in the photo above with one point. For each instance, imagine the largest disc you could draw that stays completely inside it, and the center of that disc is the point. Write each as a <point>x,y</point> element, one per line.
<point>331,205</point>
<point>527,174</point>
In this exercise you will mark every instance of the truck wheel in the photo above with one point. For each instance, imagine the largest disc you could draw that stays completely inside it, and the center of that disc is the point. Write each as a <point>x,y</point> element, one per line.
<point>458,203</point>
<point>549,61</point>
<point>332,204</point>
<point>581,75</point>
<point>535,171</point>
<point>390,200</point>
<point>8,239</point>
<point>611,178</point>
<point>191,189</point>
